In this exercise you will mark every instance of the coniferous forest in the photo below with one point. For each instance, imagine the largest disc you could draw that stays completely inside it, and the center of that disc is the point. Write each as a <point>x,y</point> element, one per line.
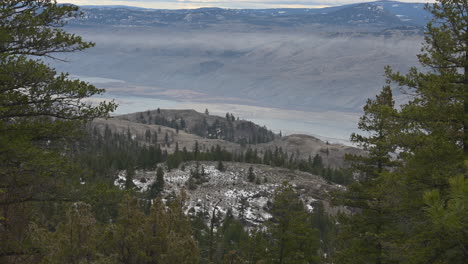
<point>406,198</point>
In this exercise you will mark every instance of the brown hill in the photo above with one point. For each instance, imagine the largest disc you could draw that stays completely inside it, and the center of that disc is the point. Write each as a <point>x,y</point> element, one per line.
<point>228,128</point>
<point>301,146</point>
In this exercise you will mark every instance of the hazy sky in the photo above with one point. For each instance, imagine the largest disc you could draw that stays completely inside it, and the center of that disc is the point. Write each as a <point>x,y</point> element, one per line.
<point>178,4</point>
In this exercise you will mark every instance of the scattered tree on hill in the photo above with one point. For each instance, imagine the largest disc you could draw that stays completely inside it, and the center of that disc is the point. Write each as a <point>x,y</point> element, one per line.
<point>183,124</point>
<point>148,135</point>
<point>251,176</point>
<point>166,139</point>
<point>129,176</point>
<point>196,150</point>
<point>158,186</point>
<point>220,166</point>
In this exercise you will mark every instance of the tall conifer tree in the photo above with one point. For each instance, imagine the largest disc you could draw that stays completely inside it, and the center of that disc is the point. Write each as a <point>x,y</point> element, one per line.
<point>363,231</point>
<point>430,136</point>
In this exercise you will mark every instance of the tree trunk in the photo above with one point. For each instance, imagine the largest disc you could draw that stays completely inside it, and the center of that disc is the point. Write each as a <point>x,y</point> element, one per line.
<point>210,253</point>
<point>465,106</point>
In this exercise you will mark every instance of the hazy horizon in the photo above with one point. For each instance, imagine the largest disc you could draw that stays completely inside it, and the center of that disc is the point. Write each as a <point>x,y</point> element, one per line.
<point>231,4</point>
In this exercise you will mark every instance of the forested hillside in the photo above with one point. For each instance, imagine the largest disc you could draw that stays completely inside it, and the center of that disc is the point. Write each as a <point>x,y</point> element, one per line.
<point>167,186</point>
<point>205,125</point>
<point>292,148</point>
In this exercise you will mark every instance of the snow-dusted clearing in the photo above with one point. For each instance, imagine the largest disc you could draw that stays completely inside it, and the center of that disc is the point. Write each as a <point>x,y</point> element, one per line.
<point>230,189</point>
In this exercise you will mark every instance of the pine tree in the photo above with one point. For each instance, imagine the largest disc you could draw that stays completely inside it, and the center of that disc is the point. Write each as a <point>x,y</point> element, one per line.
<point>158,186</point>
<point>432,133</point>
<point>379,122</point>
<point>202,173</point>
<point>166,139</point>
<point>169,235</point>
<point>157,229</point>
<point>293,240</point>
<point>74,241</point>
<point>126,238</point>
<point>41,112</point>
<point>196,150</point>
<point>130,174</point>
<point>402,206</point>
<point>148,135</point>
<point>325,224</point>
<point>362,232</point>
<point>232,240</point>
<point>220,166</point>
<point>317,164</point>
<point>251,176</point>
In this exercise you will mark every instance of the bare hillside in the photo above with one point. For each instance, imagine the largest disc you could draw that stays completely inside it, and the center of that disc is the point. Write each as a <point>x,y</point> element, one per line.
<point>304,145</point>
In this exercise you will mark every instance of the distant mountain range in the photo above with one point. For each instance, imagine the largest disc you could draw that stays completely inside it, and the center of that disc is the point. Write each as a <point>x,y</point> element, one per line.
<point>381,13</point>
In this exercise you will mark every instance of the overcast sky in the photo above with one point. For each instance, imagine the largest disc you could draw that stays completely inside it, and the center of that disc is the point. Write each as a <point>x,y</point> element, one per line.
<point>182,4</point>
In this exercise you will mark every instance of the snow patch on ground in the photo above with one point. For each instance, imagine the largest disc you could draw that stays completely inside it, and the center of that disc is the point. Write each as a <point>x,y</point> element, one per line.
<point>229,190</point>
<point>142,181</point>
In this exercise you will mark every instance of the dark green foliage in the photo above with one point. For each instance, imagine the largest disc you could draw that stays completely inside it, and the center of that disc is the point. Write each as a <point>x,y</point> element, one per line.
<point>196,150</point>
<point>40,115</point>
<point>251,176</point>
<point>166,140</point>
<point>292,237</point>
<point>158,186</point>
<point>432,133</point>
<point>325,224</point>
<point>317,164</point>
<point>175,159</point>
<point>197,176</point>
<point>129,175</point>
<point>240,132</point>
<point>407,209</point>
<point>400,203</point>
<point>104,200</point>
<point>220,166</point>
<point>258,181</point>
<point>363,231</point>
<point>232,239</point>
<point>104,153</point>
<point>191,183</point>
<point>178,123</point>
<point>379,120</point>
